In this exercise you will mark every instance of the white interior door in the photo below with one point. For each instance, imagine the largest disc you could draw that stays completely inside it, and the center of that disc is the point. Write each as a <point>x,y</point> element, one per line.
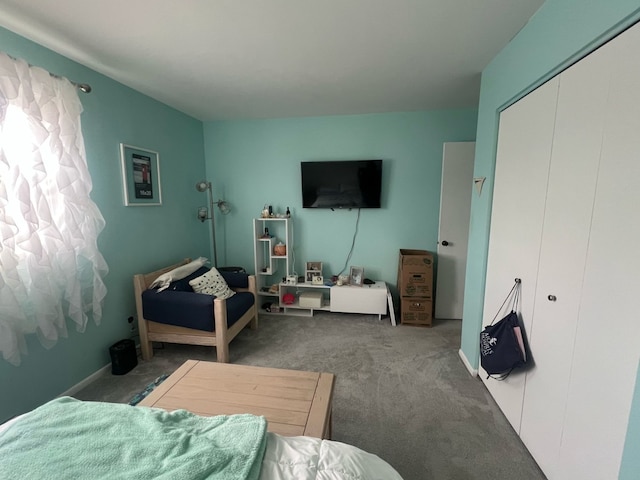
<point>522,171</point>
<point>455,208</point>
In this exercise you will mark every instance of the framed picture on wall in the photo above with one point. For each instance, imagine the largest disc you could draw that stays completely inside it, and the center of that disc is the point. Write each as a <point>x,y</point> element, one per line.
<point>140,176</point>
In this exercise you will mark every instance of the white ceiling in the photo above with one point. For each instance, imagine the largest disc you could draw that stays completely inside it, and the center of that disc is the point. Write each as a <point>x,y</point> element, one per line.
<point>225,59</point>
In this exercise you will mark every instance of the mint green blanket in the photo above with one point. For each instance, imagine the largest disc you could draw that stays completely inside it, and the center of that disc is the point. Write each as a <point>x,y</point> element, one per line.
<point>71,439</point>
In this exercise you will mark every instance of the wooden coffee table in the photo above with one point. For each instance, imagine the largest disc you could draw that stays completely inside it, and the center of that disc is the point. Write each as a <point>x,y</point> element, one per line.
<point>293,402</point>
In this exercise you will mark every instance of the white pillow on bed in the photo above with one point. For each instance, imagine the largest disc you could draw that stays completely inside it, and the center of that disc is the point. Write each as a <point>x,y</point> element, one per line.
<point>182,271</point>
<point>212,283</point>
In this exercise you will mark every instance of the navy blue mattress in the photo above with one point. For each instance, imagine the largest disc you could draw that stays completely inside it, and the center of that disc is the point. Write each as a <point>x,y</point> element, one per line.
<point>180,305</point>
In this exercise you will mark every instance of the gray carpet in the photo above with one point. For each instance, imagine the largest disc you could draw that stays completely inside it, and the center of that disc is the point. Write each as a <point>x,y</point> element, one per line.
<point>401,392</point>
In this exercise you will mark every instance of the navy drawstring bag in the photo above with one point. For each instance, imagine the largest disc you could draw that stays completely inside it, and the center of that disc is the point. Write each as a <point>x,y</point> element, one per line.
<point>502,344</point>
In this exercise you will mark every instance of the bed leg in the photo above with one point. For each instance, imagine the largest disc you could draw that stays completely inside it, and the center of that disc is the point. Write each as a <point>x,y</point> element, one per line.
<point>221,329</point>
<point>222,353</point>
<point>147,349</point>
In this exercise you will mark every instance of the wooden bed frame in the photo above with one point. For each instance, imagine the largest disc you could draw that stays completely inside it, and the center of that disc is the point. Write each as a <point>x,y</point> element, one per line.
<point>159,332</point>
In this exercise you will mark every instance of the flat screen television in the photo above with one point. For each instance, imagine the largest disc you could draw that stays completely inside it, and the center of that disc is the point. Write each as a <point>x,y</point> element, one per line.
<point>341,184</point>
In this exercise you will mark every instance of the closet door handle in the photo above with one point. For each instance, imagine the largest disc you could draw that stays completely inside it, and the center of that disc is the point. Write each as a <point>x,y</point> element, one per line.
<point>444,243</point>
<point>552,298</point>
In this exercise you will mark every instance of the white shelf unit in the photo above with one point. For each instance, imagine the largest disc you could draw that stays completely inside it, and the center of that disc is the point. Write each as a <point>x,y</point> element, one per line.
<point>368,299</point>
<point>273,269</point>
<point>270,268</point>
<point>296,290</point>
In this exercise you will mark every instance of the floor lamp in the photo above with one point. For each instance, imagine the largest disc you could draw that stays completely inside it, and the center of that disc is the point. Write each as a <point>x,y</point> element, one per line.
<point>205,213</point>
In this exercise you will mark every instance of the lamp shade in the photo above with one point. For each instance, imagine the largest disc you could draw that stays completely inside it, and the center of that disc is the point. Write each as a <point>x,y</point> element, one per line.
<point>224,207</point>
<point>203,185</point>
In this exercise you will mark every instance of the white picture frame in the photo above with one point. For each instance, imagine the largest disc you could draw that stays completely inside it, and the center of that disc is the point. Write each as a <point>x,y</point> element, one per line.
<point>141,184</point>
<point>356,276</point>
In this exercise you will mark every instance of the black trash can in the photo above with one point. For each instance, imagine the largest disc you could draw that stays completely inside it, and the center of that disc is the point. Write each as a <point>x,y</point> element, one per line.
<point>123,357</point>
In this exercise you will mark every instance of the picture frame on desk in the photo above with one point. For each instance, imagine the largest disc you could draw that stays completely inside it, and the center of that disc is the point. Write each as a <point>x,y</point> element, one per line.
<point>312,275</point>
<point>314,269</point>
<point>316,266</point>
<point>356,276</point>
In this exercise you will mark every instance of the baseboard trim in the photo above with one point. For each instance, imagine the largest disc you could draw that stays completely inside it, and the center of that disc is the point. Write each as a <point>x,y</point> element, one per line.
<point>83,383</point>
<point>463,357</point>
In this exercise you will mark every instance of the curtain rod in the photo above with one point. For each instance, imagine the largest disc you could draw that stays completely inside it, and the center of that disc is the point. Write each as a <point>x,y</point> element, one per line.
<point>83,87</point>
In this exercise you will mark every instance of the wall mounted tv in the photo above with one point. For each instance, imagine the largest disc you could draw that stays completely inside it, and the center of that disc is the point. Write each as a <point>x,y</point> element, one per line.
<point>341,184</point>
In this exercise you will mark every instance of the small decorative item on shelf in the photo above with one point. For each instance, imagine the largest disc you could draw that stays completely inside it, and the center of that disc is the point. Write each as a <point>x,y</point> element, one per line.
<point>280,249</point>
<point>313,269</point>
<point>267,212</point>
<point>317,280</point>
<point>266,233</point>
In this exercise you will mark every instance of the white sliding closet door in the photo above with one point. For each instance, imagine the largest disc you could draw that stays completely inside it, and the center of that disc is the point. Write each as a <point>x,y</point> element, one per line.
<point>607,341</point>
<point>573,174</point>
<point>522,169</point>
<point>566,220</point>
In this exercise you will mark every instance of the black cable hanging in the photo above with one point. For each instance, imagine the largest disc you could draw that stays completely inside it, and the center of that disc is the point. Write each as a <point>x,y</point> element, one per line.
<point>353,243</point>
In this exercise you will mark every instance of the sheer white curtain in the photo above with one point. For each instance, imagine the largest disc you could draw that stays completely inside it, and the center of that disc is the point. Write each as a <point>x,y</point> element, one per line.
<point>50,266</point>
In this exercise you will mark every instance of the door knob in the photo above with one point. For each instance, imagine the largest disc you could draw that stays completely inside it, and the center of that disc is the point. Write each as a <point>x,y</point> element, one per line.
<point>444,243</point>
<point>552,298</point>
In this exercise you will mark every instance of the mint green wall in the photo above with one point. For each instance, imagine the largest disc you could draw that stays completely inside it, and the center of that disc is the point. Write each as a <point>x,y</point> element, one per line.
<point>253,163</point>
<point>630,458</point>
<point>136,239</point>
<point>561,32</point>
